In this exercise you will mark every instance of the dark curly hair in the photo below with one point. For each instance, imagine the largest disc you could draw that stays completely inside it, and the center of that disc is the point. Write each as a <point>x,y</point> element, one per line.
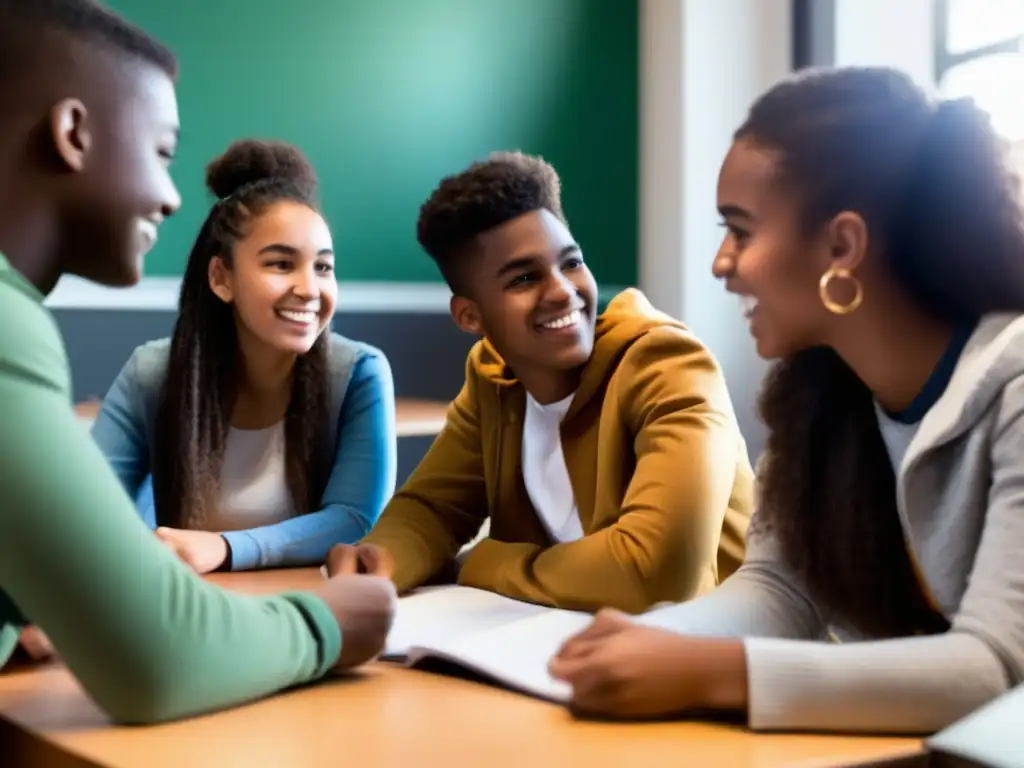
<point>487,194</point>
<point>932,184</point>
<point>23,23</point>
<point>198,396</point>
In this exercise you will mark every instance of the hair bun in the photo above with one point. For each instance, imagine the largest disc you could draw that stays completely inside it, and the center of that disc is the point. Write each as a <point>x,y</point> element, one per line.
<point>248,161</point>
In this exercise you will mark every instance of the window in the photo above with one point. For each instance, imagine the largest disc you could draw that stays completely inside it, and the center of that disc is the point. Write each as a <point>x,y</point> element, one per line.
<point>979,52</point>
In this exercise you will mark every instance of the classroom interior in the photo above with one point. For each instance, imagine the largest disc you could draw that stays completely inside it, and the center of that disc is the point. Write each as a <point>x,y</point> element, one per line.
<point>634,102</point>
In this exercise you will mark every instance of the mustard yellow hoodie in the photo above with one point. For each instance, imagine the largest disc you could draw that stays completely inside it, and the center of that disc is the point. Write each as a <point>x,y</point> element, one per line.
<point>659,470</point>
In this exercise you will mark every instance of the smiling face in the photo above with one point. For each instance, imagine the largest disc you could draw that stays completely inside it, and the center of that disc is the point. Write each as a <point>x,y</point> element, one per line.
<point>281,278</point>
<point>530,294</point>
<point>767,258</point>
<point>124,189</point>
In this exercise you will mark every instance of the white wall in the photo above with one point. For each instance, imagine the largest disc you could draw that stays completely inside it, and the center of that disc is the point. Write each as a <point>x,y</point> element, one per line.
<point>703,62</point>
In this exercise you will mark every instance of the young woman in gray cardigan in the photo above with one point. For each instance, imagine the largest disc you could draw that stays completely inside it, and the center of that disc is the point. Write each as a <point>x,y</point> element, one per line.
<point>875,241</point>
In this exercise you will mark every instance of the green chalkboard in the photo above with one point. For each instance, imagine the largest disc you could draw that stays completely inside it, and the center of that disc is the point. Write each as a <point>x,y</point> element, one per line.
<point>387,96</point>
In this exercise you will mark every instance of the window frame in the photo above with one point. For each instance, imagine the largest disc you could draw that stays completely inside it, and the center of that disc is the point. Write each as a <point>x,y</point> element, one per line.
<point>945,60</point>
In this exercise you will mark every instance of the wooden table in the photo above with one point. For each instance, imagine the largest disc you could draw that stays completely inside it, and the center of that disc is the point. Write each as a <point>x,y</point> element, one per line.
<point>414,418</point>
<point>386,716</point>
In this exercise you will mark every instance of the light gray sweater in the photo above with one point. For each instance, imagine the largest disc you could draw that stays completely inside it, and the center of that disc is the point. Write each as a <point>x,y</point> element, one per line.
<point>960,487</point>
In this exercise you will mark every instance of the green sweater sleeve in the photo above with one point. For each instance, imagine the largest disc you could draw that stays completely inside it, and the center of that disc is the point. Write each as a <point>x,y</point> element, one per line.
<point>148,639</point>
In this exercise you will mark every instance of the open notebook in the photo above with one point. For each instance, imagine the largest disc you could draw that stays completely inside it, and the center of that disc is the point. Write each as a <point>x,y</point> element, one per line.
<point>505,640</point>
<point>992,736</point>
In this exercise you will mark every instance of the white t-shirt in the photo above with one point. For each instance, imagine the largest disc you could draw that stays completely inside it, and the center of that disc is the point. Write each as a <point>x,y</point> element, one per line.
<point>253,483</point>
<point>897,436</point>
<point>544,471</point>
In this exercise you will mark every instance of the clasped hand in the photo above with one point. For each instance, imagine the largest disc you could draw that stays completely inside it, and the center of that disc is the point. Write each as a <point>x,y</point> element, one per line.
<point>203,551</point>
<point>621,669</point>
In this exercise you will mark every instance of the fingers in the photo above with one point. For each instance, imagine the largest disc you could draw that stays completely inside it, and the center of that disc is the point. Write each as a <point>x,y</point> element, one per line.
<point>574,658</point>
<point>181,549</point>
<point>606,623</point>
<point>364,607</point>
<point>575,649</point>
<point>597,688</point>
<point>375,561</point>
<point>593,690</point>
<point>36,644</point>
<point>596,701</point>
<point>188,558</point>
<point>342,559</point>
<point>360,558</point>
<point>565,669</point>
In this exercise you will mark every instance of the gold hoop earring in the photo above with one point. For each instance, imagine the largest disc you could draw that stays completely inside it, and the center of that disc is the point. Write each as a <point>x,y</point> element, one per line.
<point>839,273</point>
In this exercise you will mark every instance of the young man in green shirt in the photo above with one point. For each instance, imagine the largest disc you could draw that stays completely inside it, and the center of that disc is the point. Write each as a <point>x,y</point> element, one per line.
<point>88,128</point>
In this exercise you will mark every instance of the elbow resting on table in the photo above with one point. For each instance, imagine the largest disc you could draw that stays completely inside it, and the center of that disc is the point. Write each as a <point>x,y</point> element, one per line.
<point>165,691</point>
<point>148,700</point>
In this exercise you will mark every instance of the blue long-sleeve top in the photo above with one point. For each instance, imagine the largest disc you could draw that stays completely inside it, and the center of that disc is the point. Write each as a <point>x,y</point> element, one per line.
<point>362,478</point>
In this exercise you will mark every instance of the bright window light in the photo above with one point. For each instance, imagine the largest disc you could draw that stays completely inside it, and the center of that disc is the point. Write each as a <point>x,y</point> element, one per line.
<point>995,81</point>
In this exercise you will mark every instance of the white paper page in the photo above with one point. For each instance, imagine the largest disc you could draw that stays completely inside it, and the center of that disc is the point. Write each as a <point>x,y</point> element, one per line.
<point>990,735</point>
<point>440,615</point>
<point>516,654</point>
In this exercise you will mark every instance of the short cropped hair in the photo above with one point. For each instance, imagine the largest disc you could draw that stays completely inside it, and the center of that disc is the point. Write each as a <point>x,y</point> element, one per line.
<point>485,195</point>
<point>22,22</point>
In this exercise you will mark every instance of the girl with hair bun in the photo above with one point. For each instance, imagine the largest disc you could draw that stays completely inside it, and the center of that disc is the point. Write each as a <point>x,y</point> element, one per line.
<point>255,437</point>
<point>876,243</point>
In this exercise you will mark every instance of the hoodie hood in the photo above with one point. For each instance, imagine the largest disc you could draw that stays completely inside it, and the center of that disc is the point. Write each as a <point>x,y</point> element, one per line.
<point>628,316</point>
<point>993,357</point>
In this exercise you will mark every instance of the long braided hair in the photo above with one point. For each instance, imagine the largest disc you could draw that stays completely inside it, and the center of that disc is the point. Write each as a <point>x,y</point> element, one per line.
<point>198,395</point>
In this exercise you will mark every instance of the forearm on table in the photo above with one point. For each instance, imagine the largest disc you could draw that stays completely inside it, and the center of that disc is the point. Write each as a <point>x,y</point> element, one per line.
<point>581,575</point>
<point>148,639</point>
<point>911,685</point>
<point>754,602</point>
<point>302,540</point>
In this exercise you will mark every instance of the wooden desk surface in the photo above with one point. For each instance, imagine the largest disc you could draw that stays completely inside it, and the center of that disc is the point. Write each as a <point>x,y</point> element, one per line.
<point>389,716</point>
<point>414,417</point>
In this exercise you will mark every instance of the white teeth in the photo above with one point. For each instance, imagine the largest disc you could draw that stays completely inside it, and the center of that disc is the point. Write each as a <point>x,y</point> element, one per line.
<point>566,321</point>
<point>148,233</point>
<point>747,305</point>
<point>298,316</point>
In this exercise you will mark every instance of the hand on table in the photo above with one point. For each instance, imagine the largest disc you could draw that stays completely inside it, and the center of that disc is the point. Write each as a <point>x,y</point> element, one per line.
<point>621,669</point>
<point>37,645</point>
<point>360,558</point>
<point>364,607</point>
<point>203,551</point>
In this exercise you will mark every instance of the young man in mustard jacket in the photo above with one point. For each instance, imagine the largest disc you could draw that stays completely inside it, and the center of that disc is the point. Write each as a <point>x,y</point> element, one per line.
<point>603,448</point>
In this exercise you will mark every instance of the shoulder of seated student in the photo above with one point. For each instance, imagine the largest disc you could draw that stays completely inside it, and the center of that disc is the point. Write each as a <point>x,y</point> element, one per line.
<point>141,380</point>
<point>346,351</point>
<point>147,367</point>
<point>990,377</point>
<point>345,373</point>
<point>1009,424</point>
<point>146,370</point>
<point>668,367</point>
<point>343,357</point>
<point>32,347</point>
